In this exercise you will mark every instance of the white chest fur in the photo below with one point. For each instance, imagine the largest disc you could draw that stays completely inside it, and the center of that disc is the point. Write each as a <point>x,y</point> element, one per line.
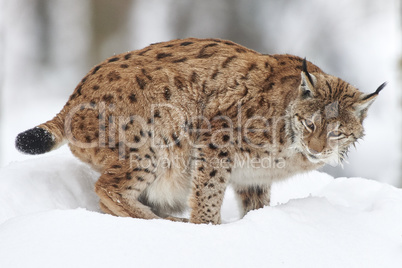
<point>266,170</point>
<point>249,176</point>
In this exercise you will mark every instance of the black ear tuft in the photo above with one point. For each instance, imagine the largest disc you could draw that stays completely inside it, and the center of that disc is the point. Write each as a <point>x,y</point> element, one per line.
<point>304,69</point>
<point>381,87</point>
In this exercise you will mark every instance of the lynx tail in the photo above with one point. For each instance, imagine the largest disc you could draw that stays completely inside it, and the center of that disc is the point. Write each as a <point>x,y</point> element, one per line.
<point>41,139</point>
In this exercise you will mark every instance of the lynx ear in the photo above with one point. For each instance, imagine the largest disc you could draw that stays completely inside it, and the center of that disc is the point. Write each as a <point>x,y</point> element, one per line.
<point>307,82</point>
<point>365,101</point>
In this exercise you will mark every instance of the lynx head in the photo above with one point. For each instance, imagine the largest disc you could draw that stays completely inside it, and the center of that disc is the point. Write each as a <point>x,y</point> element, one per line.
<point>327,116</point>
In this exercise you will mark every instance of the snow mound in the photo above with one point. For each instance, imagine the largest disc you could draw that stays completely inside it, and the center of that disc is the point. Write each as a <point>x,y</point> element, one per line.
<point>49,217</point>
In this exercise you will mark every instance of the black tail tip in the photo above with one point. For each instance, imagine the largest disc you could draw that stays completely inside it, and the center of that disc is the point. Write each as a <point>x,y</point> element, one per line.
<point>34,141</point>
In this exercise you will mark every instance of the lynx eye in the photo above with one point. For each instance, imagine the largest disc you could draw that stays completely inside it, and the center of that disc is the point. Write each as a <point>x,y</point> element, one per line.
<point>309,125</point>
<point>334,134</point>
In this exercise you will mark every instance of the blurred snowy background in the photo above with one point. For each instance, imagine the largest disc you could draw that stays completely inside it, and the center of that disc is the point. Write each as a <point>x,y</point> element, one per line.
<point>47,46</point>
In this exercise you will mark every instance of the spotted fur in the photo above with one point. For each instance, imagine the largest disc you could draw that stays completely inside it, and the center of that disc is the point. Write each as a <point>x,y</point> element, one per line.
<point>171,125</point>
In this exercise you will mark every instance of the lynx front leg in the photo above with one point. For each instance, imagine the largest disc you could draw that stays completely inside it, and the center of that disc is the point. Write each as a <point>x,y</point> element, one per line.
<point>210,174</point>
<point>253,197</point>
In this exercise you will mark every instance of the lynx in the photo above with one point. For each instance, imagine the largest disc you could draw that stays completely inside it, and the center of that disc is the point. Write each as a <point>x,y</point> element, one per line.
<point>170,126</point>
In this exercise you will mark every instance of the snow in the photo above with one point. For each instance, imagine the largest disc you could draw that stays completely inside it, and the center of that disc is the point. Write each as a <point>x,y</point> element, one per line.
<point>49,217</point>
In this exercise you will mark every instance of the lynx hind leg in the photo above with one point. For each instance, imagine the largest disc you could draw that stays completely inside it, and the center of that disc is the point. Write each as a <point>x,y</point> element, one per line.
<point>253,197</point>
<point>105,209</point>
<point>119,188</point>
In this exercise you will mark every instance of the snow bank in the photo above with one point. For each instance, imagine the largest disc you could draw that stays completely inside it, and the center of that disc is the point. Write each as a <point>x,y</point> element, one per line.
<point>49,217</point>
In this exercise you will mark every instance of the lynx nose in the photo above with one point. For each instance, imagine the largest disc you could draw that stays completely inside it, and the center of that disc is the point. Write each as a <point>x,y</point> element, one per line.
<point>316,145</point>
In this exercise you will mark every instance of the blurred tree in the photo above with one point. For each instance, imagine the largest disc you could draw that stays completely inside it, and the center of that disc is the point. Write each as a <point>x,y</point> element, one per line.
<point>400,83</point>
<point>109,23</point>
<point>44,21</point>
<point>2,62</point>
<point>226,19</point>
